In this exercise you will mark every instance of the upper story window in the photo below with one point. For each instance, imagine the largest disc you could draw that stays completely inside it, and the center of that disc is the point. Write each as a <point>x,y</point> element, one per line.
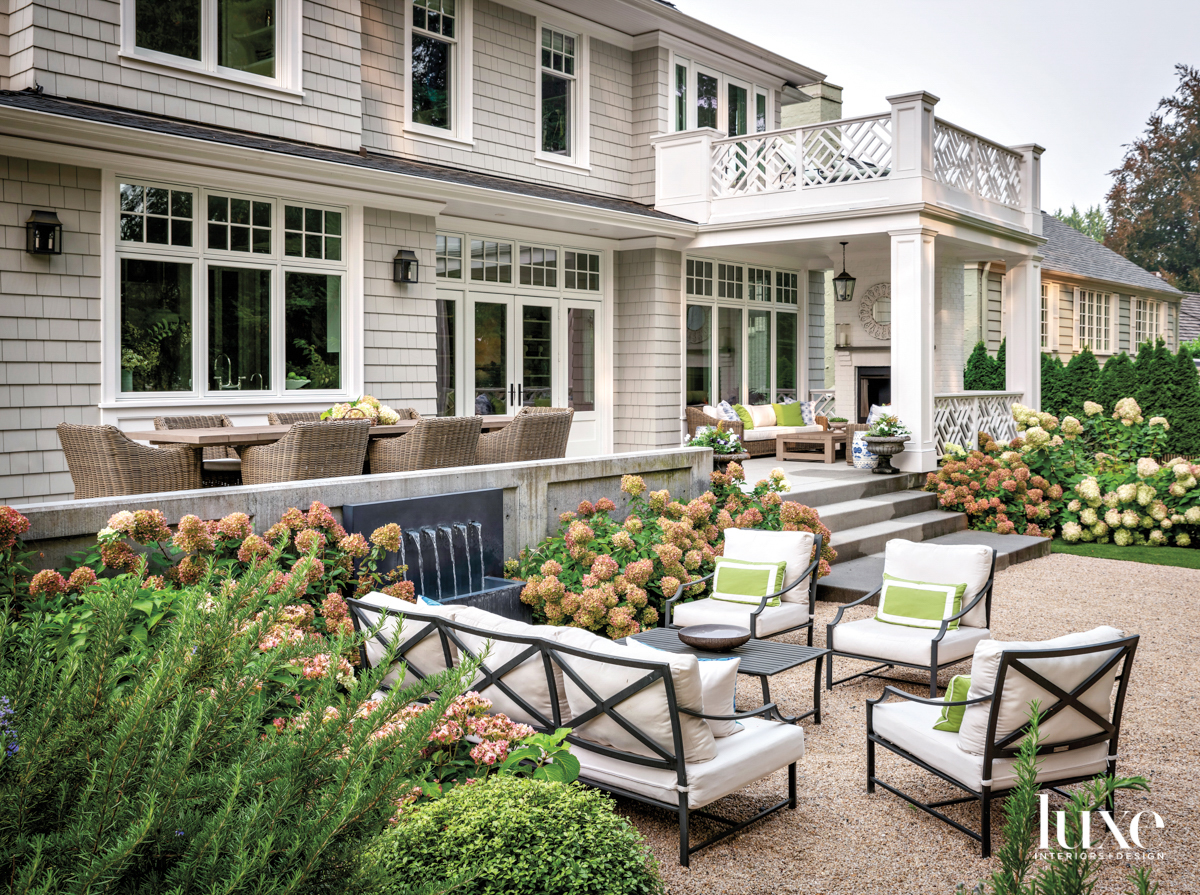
<point>562,97</point>
<point>1094,320</point>
<point>706,97</point>
<point>255,42</point>
<point>439,73</point>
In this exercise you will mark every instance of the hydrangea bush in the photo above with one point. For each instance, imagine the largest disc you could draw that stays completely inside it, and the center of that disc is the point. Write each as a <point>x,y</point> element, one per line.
<point>1093,478</point>
<point>613,577</point>
<point>365,408</point>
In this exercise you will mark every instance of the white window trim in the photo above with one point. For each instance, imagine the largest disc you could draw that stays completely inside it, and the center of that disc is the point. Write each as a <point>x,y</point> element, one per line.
<point>287,85</point>
<point>753,89</point>
<point>580,158</point>
<point>462,87</point>
<point>1114,322</point>
<point>350,268</point>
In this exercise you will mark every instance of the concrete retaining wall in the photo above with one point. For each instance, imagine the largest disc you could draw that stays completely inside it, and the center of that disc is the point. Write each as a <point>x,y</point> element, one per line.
<point>534,495</point>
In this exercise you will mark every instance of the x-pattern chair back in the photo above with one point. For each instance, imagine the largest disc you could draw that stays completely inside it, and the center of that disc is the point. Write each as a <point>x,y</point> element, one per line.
<point>1017,663</point>
<point>366,617</point>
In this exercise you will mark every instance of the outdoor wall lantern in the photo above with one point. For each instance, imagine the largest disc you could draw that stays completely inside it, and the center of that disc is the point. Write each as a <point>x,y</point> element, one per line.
<point>43,233</point>
<point>404,267</point>
<point>843,283</point>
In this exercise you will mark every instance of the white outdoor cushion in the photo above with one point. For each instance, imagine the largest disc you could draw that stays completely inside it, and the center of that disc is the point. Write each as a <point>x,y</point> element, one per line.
<point>709,410</point>
<point>528,679</point>
<point>718,683</point>
<point>968,564</point>
<point>910,726</point>
<point>899,643</point>
<point>647,709</point>
<point>719,612</point>
<point>762,415</point>
<point>774,546</point>
<point>768,433</point>
<point>427,655</point>
<point>1068,672</point>
<point>761,749</point>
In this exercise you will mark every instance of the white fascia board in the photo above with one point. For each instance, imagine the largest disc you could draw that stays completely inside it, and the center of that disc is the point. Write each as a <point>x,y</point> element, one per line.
<point>76,141</point>
<point>711,57</point>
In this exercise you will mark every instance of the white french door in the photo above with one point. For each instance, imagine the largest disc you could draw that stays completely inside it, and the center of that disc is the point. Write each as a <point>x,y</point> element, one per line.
<point>512,358</point>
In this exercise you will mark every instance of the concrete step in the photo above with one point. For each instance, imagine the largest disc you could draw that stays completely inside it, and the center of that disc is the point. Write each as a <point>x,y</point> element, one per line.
<point>822,490</point>
<point>852,579</point>
<point>850,514</point>
<point>864,540</point>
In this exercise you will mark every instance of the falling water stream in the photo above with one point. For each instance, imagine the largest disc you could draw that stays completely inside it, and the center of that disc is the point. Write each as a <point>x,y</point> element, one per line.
<point>479,537</point>
<point>450,545</point>
<point>420,560</point>
<point>431,533</point>
<point>460,526</point>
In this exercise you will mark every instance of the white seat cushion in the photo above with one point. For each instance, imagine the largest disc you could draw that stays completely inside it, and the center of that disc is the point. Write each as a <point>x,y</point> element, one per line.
<point>763,415</point>
<point>426,655</point>
<point>910,726</point>
<point>718,680</point>
<point>769,432</point>
<point>969,564</point>
<point>1067,672</point>
<point>528,679</point>
<point>762,748</point>
<point>900,643</point>
<point>646,709</point>
<point>794,547</point>
<point>719,612</point>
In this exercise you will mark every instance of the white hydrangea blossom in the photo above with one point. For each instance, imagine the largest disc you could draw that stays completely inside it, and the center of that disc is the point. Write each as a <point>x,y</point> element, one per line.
<point>1157,538</point>
<point>1074,506</point>
<point>1130,519</point>
<point>1088,516</point>
<point>1192,515</point>
<point>1089,489</point>
<point>1145,494</point>
<point>1183,539</point>
<point>1160,421</point>
<point>1091,408</point>
<point>1122,537</point>
<point>1146,467</point>
<point>1113,518</point>
<point>1071,531</point>
<point>1127,492</point>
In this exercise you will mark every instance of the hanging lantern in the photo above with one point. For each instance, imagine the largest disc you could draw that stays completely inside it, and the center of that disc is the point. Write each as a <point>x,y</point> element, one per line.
<point>843,283</point>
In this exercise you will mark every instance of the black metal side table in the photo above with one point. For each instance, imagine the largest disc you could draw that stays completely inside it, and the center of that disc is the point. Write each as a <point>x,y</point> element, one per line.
<point>760,658</point>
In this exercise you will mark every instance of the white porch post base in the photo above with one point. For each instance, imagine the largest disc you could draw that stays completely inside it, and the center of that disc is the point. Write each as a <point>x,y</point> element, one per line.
<point>1023,359</point>
<point>913,269</point>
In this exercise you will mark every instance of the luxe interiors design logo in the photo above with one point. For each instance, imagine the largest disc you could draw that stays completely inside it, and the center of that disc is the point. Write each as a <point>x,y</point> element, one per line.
<point>1126,848</point>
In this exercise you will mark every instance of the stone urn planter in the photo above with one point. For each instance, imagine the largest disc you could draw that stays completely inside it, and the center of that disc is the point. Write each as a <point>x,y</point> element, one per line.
<point>721,461</point>
<point>885,449</point>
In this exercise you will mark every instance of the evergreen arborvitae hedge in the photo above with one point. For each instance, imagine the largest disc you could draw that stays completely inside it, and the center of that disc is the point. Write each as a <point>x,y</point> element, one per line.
<point>1052,384</point>
<point>1155,381</point>
<point>1079,382</point>
<point>980,371</point>
<point>1184,415</point>
<point>1118,380</point>
<point>1000,370</point>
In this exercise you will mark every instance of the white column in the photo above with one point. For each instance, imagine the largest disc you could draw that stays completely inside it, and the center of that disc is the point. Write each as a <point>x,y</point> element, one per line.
<point>913,344</point>
<point>1023,371</point>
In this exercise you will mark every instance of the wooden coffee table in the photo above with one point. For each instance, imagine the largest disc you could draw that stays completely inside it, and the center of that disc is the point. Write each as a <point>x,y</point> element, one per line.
<point>829,441</point>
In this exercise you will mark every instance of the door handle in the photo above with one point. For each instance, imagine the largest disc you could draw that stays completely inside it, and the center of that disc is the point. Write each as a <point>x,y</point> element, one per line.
<point>520,399</point>
<point>510,394</point>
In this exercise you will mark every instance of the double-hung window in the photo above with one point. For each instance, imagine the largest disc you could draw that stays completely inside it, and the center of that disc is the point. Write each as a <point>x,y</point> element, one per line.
<point>1045,318</point>
<point>562,97</point>
<point>1095,310</point>
<point>1146,322</point>
<point>254,42</point>
<point>225,293</point>
<point>439,70</point>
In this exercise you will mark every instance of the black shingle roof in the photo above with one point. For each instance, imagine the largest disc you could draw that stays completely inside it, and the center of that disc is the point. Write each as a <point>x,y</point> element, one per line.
<point>176,127</point>
<point>1069,251</point>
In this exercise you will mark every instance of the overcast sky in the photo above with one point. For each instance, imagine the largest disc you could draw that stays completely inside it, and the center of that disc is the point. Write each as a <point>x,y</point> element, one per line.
<point>1080,77</point>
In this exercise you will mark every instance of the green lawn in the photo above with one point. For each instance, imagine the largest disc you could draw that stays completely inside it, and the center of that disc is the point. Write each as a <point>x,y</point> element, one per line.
<point>1184,557</point>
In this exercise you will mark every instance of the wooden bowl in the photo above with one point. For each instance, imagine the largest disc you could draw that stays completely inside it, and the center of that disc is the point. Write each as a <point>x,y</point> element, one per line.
<point>715,638</point>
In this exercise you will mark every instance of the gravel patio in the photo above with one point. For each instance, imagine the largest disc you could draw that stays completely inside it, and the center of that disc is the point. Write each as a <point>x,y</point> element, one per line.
<point>841,840</point>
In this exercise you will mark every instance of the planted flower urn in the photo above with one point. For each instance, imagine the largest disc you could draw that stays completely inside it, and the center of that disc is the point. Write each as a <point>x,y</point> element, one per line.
<point>885,439</point>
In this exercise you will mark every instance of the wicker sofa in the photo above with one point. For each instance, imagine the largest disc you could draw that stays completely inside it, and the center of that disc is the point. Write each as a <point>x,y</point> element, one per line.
<point>637,714</point>
<point>758,442</point>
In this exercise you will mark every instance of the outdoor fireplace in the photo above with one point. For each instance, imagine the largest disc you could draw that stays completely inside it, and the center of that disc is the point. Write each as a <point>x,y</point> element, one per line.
<point>874,387</point>
<point>453,545</point>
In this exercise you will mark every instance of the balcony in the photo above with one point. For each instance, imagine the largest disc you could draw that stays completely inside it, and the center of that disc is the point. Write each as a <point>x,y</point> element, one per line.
<point>904,159</point>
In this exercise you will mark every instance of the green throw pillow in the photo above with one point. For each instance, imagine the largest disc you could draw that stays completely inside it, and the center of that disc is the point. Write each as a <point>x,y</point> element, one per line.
<point>789,414</point>
<point>918,604</point>
<point>952,715</point>
<point>744,416</point>
<point>746,581</point>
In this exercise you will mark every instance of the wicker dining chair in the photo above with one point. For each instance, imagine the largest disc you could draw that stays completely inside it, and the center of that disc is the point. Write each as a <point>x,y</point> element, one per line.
<point>104,463</point>
<point>221,465</point>
<point>309,451</point>
<point>286,419</point>
<point>434,443</point>
<point>536,433</point>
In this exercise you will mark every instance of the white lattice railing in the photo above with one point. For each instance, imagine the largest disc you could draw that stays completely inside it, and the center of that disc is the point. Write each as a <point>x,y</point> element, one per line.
<point>959,418</point>
<point>824,399</point>
<point>975,164</point>
<point>845,151</point>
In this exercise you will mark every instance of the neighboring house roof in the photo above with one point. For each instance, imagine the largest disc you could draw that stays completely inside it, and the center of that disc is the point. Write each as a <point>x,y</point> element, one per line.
<point>162,124</point>
<point>1189,317</point>
<point>1071,252</point>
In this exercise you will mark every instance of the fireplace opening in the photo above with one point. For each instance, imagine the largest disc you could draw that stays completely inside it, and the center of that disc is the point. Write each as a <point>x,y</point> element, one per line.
<point>874,387</point>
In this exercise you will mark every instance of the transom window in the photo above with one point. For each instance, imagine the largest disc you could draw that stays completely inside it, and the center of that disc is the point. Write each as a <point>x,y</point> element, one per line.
<point>539,266</point>
<point>729,280</point>
<point>434,39</point>
<point>491,262</point>
<point>699,277</point>
<point>581,270</point>
<point>759,282</point>
<point>448,253</point>
<point>787,288</point>
<point>1094,317</point>
<point>252,41</point>
<point>1147,321</point>
<point>238,314</point>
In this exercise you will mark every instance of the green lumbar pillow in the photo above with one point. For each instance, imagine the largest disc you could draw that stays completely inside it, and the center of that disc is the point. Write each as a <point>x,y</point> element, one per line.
<point>952,715</point>
<point>789,414</point>
<point>744,416</point>
<point>746,581</point>
<point>918,604</point>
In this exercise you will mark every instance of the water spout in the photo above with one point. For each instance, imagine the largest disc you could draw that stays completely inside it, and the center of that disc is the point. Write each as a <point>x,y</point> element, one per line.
<point>431,533</point>
<point>479,535</point>
<point>416,536</point>
<point>450,546</point>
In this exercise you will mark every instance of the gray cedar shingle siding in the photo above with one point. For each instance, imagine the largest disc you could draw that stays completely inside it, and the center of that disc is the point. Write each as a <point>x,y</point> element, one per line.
<point>1069,251</point>
<point>49,326</point>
